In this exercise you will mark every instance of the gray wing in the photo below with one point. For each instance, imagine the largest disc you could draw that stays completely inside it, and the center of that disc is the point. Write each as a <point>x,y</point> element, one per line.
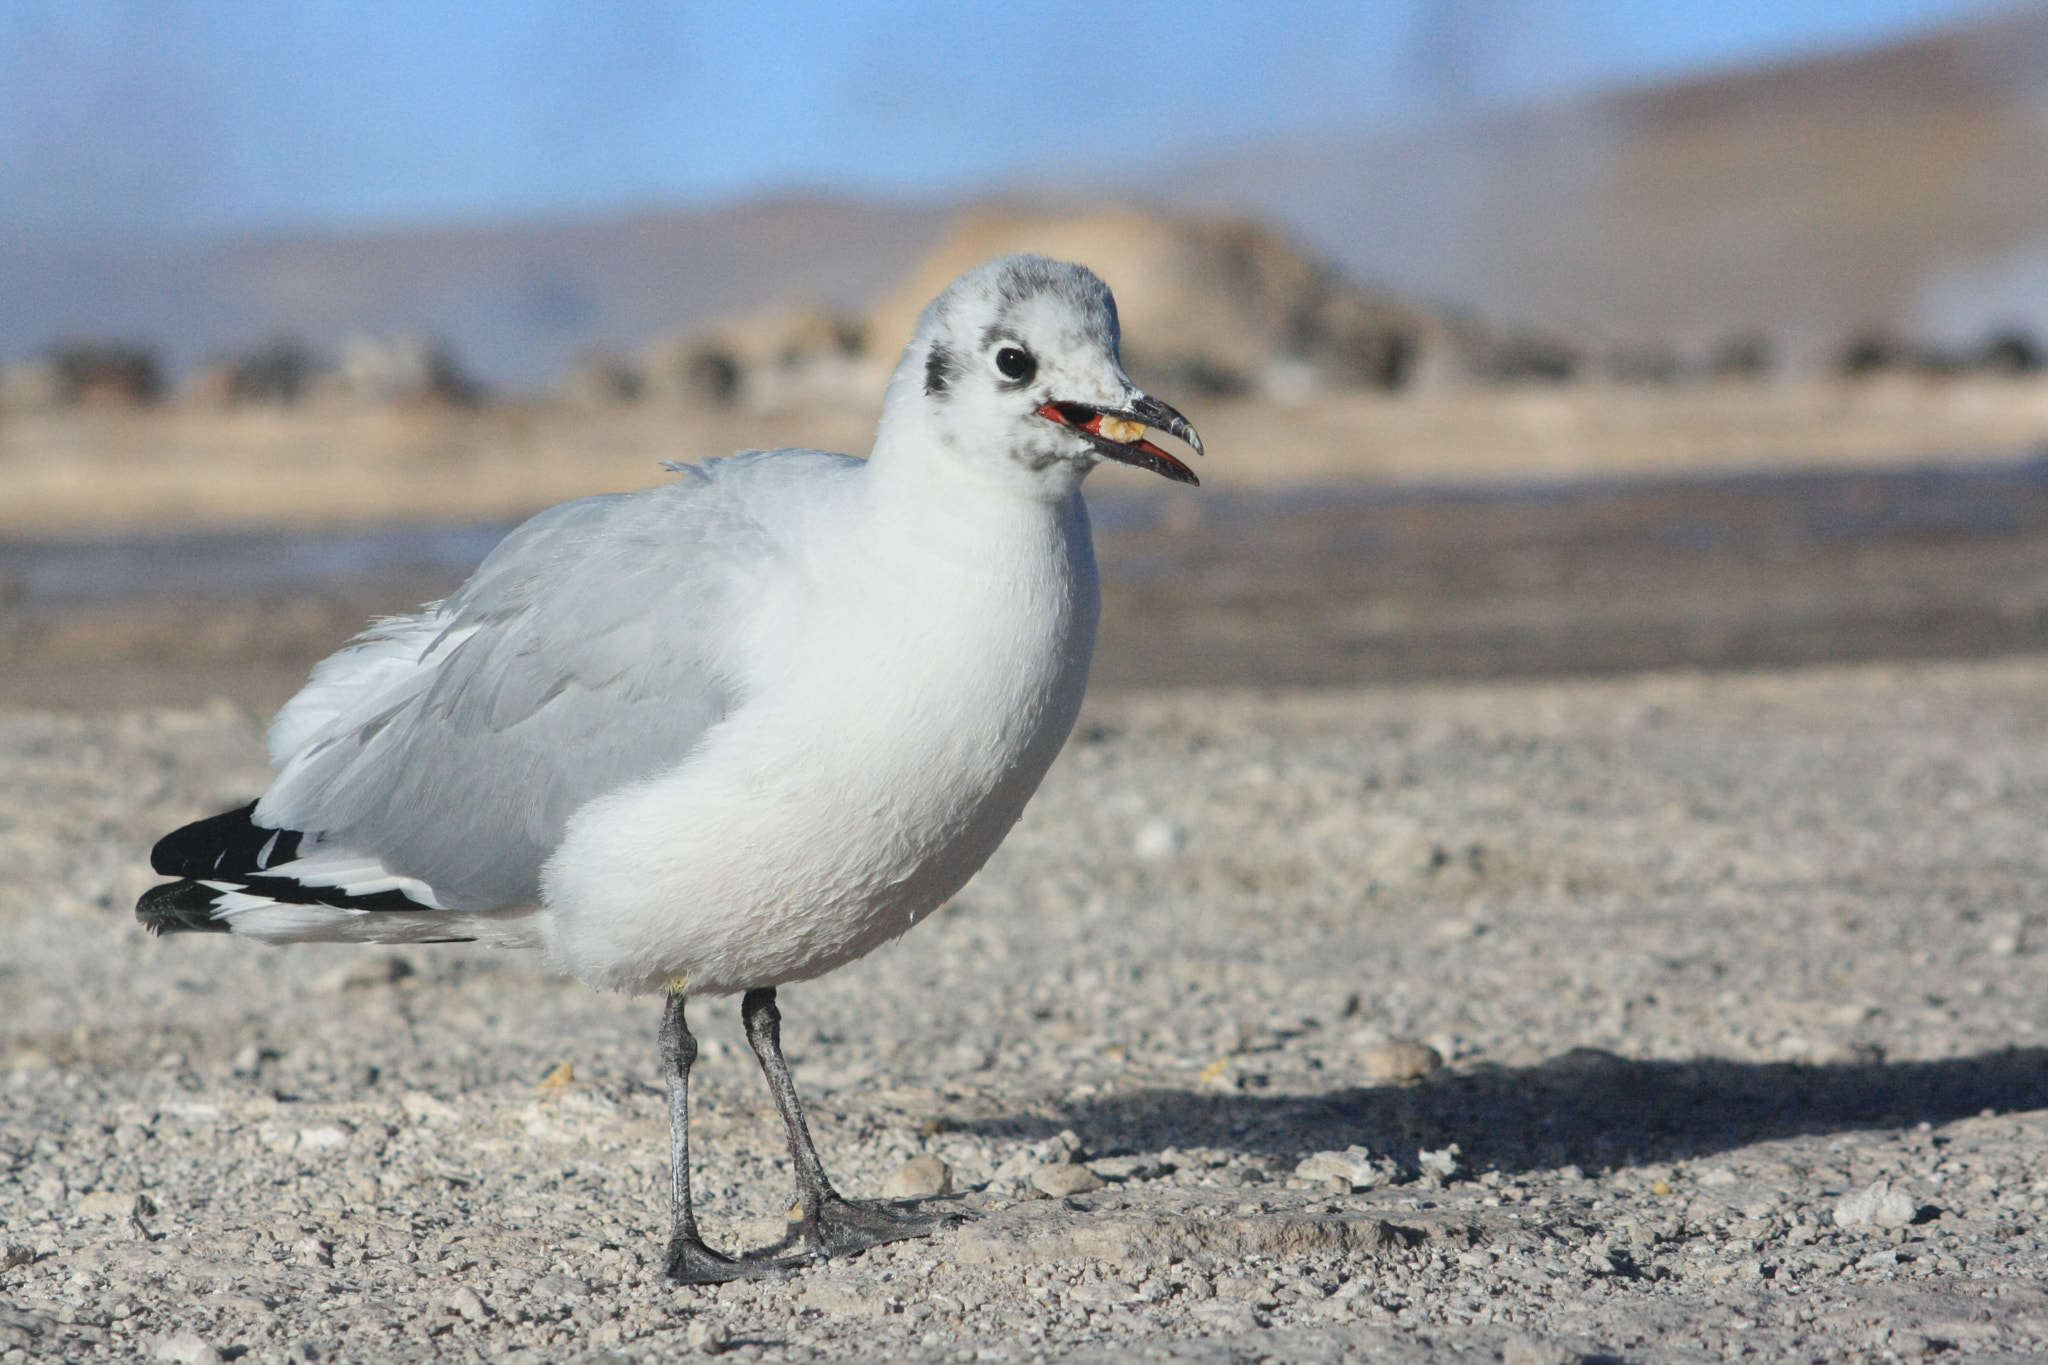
<point>583,654</point>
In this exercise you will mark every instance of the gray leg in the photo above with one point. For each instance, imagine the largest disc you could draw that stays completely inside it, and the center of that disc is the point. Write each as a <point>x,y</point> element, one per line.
<point>832,1224</point>
<point>689,1260</point>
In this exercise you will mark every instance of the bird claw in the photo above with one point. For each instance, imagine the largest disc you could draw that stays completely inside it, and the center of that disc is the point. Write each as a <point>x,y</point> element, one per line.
<point>848,1226</point>
<point>845,1227</point>
<point>691,1262</point>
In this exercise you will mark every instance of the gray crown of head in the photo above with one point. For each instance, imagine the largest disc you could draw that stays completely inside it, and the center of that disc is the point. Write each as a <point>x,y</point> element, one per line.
<point>992,292</point>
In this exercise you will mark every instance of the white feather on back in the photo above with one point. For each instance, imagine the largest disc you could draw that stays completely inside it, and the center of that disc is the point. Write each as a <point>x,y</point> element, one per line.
<point>376,671</point>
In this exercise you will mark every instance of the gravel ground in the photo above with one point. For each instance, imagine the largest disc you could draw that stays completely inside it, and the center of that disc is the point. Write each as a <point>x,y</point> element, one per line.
<point>1736,983</point>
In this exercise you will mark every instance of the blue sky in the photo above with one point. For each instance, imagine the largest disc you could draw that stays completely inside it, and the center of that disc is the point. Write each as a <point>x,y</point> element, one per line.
<point>178,118</point>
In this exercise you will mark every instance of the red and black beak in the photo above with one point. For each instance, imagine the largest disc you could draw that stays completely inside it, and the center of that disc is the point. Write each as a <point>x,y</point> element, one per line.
<point>1144,411</point>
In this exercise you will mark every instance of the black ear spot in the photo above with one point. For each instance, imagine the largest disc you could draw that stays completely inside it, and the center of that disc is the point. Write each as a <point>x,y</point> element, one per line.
<point>938,370</point>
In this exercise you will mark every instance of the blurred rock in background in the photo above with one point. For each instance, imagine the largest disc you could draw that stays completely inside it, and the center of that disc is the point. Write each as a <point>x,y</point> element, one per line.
<point>1217,306</point>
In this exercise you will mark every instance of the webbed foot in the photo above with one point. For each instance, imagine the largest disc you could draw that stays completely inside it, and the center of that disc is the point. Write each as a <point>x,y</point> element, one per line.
<point>691,1262</point>
<point>848,1226</point>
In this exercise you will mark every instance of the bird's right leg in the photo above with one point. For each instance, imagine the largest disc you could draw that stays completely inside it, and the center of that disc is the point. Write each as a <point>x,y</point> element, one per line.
<point>832,1224</point>
<point>689,1260</point>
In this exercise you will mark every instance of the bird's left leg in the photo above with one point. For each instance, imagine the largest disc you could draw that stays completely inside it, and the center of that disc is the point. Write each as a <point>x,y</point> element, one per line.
<point>832,1223</point>
<point>689,1261</point>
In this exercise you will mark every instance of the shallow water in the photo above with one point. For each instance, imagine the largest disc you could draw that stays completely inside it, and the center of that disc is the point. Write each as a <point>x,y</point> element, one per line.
<point>1145,538</point>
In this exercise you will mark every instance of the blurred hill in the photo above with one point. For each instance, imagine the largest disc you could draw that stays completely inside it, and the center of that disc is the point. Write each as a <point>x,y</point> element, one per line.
<point>1212,305</point>
<point>515,302</point>
<point>1903,189</point>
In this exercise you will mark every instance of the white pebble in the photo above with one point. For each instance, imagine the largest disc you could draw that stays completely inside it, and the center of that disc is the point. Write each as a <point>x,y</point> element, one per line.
<point>1877,1205</point>
<point>1060,1181</point>
<point>1354,1165</point>
<point>1158,840</point>
<point>187,1348</point>
<point>1402,1059</point>
<point>466,1304</point>
<point>1442,1162</point>
<point>921,1177</point>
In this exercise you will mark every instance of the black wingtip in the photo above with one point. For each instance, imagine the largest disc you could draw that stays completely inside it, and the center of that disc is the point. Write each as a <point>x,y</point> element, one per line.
<point>224,845</point>
<point>183,907</point>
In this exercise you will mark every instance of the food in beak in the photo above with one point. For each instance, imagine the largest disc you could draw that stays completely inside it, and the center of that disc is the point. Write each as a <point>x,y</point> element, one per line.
<point>1121,438</point>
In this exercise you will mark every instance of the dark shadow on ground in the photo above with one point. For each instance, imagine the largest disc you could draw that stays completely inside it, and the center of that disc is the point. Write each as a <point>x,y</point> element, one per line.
<point>1586,1106</point>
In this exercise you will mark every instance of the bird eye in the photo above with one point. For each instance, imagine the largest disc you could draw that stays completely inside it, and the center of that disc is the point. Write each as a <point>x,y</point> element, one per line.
<point>1016,365</point>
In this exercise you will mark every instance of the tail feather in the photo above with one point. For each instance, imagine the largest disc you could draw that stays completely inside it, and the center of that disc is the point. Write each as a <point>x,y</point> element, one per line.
<point>237,876</point>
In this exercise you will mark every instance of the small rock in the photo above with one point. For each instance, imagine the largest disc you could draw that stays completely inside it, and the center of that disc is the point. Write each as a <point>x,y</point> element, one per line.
<point>1909,1345</point>
<point>1228,1315</point>
<point>1158,839</point>
<point>1877,1205</point>
<point>187,1348</point>
<point>313,1251</point>
<point>921,1177</point>
<point>1355,1166</point>
<point>1441,1163</point>
<point>465,1304</point>
<point>1247,1288</point>
<point>1103,1294</point>
<point>419,1105</point>
<point>1060,1181</point>
<point>1400,1060</point>
<point>705,1337</point>
<point>1717,1177</point>
<point>1128,1167</point>
<point>322,1139</point>
<point>104,1204</point>
<point>1063,1146</point>
<point>560,1286</point>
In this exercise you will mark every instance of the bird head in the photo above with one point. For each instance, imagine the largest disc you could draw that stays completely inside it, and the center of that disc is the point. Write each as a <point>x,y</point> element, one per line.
<point>1019,359</point>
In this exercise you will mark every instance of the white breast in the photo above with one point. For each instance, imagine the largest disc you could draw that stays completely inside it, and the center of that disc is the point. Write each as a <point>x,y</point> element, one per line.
<point>895,729</point>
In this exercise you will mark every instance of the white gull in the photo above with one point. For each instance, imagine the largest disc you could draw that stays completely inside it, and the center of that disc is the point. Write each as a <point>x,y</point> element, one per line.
<point>727,733</point>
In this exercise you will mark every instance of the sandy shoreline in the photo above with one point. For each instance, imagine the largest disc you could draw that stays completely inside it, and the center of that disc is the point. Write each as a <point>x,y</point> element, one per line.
<point>84,471</point>
<point>1706,956</point>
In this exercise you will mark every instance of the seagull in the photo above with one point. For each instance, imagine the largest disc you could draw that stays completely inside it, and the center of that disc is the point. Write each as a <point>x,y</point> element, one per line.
<point>727,733</point>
